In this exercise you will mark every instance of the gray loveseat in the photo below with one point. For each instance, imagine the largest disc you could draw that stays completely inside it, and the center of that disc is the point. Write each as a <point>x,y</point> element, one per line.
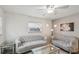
<point>26,43</point>
<point>68,43</point>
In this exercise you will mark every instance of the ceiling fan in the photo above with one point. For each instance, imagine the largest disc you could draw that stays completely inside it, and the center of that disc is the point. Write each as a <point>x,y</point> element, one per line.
<point>53,8</point>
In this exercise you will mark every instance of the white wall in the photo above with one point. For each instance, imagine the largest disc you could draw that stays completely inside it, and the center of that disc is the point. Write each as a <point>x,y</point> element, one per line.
<point>74,19</point>
<point>1,12</point>
<point>16,25</point>
<point>2,27</point>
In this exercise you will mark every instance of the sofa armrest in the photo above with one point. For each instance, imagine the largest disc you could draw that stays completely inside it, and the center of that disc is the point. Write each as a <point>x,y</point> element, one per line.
<point>17,42</point>
<point>74,46</point>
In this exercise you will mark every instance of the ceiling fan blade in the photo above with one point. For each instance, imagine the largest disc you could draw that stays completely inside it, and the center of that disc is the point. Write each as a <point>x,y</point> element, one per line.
<point>62,7</point>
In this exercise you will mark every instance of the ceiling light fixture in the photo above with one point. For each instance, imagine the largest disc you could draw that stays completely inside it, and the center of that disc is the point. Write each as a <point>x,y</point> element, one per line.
<point>50,8</point>
<point>55,25</point>
<point>50,11</point>
<point>47,25</point>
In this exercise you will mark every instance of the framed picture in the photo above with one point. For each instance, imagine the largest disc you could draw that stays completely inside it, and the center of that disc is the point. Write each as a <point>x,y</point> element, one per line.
<point>34,27</point>
<point>67,27</point>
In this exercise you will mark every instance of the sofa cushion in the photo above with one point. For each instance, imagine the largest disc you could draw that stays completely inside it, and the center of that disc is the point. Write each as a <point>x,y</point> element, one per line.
<point>35,38</point>
<point>22,40</point>
<point>30,45</point>
<point>32,38</point>
<point>66,42</point>
<point>25,43</point>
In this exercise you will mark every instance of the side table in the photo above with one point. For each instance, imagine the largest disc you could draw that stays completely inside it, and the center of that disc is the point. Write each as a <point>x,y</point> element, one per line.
<point>8,49</point>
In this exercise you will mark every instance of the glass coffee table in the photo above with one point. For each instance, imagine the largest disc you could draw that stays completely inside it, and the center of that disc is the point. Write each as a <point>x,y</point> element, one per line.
<point>46,50</point>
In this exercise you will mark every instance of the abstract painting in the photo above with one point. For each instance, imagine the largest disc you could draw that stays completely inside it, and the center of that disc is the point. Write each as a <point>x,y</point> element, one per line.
<point>34,27</point>
<point>67,27</point>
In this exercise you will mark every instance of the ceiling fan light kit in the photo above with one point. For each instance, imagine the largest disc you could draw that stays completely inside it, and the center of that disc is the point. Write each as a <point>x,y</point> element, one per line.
<point>50,11</point>
<point>51,8</point>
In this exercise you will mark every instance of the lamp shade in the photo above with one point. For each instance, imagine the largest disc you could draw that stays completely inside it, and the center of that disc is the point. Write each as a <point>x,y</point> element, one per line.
<point>51,30</point>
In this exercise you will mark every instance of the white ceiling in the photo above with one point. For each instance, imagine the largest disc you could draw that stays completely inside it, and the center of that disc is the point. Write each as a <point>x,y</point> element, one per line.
<point>39,11</point>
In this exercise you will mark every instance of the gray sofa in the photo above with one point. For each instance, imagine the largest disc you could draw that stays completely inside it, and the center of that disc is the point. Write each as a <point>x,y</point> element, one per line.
<point>26,43</point>
<point>68,43</point>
